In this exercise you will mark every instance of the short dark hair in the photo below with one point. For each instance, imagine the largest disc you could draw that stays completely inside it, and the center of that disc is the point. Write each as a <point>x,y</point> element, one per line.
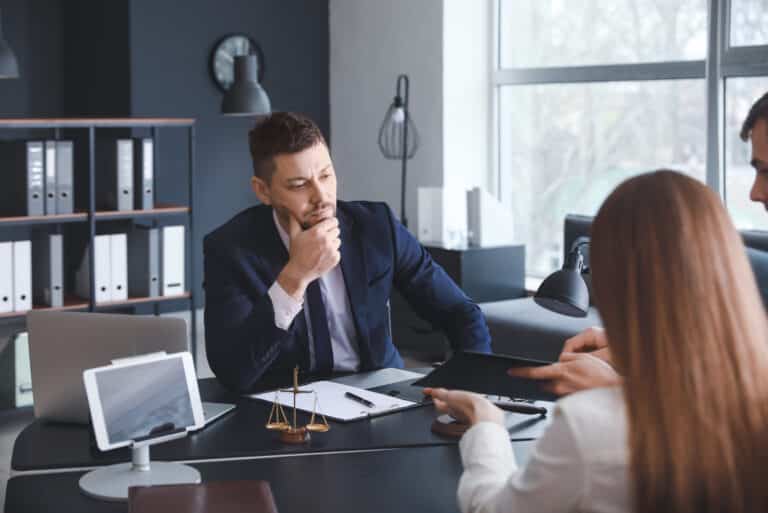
<point>279,133</point>
<point>758,111</point>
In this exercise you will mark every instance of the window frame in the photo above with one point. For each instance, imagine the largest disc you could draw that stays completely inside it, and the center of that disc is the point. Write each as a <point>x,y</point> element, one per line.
<point>722,62</point>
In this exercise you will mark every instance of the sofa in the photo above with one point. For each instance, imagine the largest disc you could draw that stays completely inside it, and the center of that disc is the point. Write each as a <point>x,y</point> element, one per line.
<point>520,327</point>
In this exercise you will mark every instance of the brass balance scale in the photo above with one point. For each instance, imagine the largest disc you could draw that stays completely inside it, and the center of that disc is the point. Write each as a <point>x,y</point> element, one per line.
<point>291,432</point>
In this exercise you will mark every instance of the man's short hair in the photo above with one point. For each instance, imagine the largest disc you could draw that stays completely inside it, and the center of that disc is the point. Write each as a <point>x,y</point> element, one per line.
<point>758,111</point>
<point>279,133</point>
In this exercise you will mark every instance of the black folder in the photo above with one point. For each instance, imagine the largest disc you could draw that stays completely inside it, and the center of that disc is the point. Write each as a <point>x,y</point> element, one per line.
<point>487,374</point>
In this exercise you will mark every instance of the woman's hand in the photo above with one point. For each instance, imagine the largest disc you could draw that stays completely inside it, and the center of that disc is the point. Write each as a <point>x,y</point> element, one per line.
<point>465,407</point>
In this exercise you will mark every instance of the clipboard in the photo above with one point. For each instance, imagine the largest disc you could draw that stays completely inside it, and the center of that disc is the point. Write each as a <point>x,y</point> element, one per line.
<point>332,403</point>
<point>487,374</point>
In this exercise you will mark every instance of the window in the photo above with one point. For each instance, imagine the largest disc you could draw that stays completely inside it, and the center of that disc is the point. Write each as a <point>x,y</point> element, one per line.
<point>568,145</point>
<point>749,22</point>
<point>591,92</point>
<point>540,33</point>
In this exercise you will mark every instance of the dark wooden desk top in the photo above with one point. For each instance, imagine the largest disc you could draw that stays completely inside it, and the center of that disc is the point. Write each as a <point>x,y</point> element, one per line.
<point>241,433</point>
<point>418,479</point>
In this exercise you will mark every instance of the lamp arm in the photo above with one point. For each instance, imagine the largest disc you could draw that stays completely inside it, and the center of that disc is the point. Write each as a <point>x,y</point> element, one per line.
<point>575,258</point>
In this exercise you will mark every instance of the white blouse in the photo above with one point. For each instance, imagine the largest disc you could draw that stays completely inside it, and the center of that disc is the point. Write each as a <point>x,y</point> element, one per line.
<point>579,464</point>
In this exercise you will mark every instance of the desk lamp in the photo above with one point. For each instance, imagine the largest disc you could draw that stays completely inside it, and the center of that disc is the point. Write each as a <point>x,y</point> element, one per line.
<point>565,291</point>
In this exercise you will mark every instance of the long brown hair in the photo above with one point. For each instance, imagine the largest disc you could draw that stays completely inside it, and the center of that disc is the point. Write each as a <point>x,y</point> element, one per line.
<point>688,332</point>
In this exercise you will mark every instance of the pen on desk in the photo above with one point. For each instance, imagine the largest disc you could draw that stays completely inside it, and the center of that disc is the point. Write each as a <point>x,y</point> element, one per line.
<point>527,409</point>
<point>357,398</point>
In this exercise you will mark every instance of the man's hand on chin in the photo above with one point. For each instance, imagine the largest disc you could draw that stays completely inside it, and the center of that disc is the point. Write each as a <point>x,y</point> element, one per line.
<point>313,252</point>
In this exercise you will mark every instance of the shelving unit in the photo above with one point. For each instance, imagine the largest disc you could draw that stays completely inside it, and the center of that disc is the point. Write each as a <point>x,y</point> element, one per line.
<point>91,216</point>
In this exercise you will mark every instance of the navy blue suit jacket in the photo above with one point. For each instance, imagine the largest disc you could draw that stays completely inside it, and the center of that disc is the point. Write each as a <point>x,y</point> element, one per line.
<point>244,257</point>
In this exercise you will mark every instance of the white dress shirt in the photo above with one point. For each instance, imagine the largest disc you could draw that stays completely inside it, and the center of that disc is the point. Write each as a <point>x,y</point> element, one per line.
<point>579,464</point>
<point>341,325</point>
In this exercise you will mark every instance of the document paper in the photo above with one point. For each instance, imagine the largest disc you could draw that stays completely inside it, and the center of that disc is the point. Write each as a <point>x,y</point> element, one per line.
<point>332,403</point>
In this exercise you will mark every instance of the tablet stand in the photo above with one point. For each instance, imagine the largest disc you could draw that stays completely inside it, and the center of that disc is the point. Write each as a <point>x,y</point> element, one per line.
<point>111,483</point>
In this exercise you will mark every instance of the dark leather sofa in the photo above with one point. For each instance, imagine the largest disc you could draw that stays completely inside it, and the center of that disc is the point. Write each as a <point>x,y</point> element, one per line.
<point>522,328</point>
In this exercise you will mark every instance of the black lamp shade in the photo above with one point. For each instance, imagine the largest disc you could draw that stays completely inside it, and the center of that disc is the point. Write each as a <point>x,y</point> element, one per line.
<point>8,66</point>
<point>246,97</point>
<point>564,292</point>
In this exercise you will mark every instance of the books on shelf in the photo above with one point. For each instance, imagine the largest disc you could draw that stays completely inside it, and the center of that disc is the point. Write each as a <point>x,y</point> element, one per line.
<point>143,171</point>
<point>157,264</point>
<point>172,248</point>
<point>37,178</point>
<point>22,191</point>
<point>144,261</point>
<point>40,176</point>
<point>15,276</point>
<point>48,265</point>
<point>114,175</point>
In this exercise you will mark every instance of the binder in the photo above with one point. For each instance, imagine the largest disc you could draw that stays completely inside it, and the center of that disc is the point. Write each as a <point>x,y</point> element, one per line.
<point>118,254</point>
<point>50,177</point>
<point>23,179</point>
<point>6,277</point>
<point>22,382</point>
<point>114,177</point>
<point>48,264</point>
<point>143,167</point>
<point>144,262</point>
<point>64,178</point>
<point>22,276</point>
<point>102,271</point>
<point>172,271</point>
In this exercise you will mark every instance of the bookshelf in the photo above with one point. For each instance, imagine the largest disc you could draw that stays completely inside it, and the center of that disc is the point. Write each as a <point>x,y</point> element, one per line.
<point>51,128</point>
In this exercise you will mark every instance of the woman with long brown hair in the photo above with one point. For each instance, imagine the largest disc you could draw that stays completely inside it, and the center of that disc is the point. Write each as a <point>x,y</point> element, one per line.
<point>687,429</point>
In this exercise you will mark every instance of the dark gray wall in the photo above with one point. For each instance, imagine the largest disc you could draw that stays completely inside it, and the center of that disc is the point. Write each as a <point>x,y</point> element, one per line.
<point>95,45</point>
<point>150,58</point>
<point>169,75</point>
<point>32,28</point>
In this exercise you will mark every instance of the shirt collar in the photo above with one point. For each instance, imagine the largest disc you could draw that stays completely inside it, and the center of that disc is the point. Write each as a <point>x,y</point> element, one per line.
<point>282,233</point>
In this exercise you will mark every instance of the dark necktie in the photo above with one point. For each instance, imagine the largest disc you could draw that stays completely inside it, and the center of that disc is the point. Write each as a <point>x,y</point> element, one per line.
<point>320,335</point>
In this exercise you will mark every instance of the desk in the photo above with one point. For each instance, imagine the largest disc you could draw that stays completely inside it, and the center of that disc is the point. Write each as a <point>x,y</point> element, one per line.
<point>418,479</point>
<point>241,434</point>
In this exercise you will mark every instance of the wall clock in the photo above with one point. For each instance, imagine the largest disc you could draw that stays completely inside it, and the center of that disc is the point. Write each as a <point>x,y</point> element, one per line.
<point>223,58</point>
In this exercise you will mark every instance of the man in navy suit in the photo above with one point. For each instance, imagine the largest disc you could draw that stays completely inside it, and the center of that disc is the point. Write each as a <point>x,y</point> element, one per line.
<point>304,279</point>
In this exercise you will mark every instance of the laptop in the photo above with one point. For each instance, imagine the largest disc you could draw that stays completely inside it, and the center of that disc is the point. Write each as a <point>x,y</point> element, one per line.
<point>64,344</point>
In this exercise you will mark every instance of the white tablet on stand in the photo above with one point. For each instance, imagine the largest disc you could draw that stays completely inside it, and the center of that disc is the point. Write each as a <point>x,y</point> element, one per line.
<point>139,402</point>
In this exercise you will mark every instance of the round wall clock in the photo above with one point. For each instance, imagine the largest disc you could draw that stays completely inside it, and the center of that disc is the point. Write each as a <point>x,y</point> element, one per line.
<point>223,58</point>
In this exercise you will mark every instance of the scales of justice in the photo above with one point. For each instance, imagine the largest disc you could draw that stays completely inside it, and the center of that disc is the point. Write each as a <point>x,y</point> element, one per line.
<point>291,432</point>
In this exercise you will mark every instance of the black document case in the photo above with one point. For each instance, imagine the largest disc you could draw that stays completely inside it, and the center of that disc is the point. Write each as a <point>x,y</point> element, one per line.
<point>487,374</point>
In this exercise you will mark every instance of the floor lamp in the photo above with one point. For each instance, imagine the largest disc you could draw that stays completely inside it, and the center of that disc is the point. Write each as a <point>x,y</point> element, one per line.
<point>398,138</point>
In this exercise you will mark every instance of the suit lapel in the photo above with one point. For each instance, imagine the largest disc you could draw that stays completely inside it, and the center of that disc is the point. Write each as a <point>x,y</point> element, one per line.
<point>353,269</point>
<point>267,242</point>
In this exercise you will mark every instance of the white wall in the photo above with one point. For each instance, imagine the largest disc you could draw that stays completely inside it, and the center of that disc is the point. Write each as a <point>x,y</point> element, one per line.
<point>371,42</point>
<point>445,48</point>
<point>467,93</point>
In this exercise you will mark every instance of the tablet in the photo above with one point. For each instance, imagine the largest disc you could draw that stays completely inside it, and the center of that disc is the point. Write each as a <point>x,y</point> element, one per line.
<point>487,374</point>
<point>141,398</point>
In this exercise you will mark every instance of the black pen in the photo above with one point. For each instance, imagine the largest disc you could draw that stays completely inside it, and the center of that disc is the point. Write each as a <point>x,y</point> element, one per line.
<point>526,409</point>
<point>357,398</point>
